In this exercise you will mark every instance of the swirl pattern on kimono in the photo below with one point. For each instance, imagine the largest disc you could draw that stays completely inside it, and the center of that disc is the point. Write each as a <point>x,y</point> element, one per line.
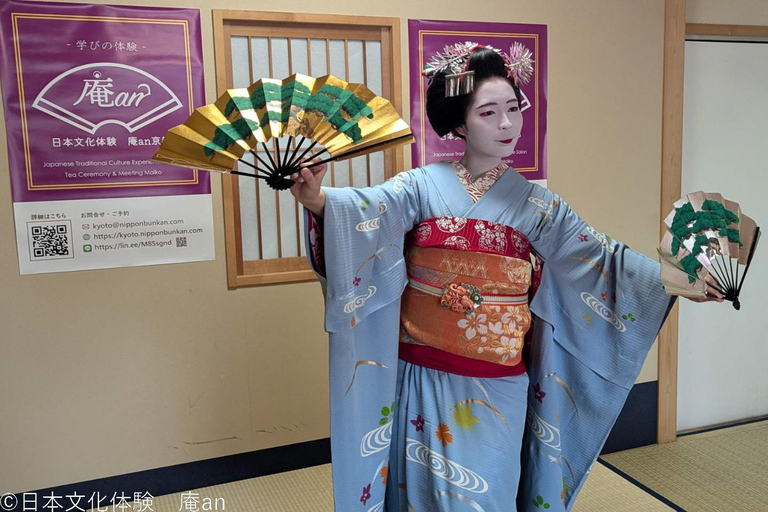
<point>548,434</point>
<point>376,440</point>
<point>444,468</point>
<point>398,182</point>
<point>359,301</point>
<point>541,204</point>
<point>604,311</point>
<point>546,214</point>
<point>368,225</point>
<point>604,240</point>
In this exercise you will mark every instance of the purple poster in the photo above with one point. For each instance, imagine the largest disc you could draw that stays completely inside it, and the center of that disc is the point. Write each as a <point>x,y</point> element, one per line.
<point>88,93</point>
<point>428,37</point>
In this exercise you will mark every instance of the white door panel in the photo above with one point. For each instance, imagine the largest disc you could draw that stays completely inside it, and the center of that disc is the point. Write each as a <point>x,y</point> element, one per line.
<point>723,353</point>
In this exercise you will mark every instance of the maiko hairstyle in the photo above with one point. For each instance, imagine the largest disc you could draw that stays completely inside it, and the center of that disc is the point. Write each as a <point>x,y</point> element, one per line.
<point>447,114</point>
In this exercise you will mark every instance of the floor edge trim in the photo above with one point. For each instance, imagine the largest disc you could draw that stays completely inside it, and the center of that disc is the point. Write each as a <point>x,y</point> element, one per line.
<point>641,486</point>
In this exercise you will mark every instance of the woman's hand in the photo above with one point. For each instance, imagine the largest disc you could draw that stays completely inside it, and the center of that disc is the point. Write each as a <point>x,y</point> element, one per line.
<point>712,293</point>
<point>307,189</point>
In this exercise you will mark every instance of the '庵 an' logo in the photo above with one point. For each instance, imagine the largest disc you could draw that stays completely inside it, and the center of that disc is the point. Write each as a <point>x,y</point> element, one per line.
<point>90,96</point>
<point>100,92</point>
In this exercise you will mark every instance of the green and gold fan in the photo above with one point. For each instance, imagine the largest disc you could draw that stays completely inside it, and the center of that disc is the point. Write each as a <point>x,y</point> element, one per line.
<point>707,235</point>
<point>347,120</point>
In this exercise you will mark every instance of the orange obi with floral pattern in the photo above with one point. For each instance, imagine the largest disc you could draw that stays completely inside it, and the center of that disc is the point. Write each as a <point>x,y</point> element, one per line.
<point>465,308</point>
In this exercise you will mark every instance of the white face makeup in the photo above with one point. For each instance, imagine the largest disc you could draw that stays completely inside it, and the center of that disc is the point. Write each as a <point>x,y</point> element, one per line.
<point>494,120</point>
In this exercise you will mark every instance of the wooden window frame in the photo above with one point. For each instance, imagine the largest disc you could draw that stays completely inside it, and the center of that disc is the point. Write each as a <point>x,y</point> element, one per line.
<point>228,23</point>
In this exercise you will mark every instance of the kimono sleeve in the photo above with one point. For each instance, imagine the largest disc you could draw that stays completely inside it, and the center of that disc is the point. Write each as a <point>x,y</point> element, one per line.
<point>604,301</point>
<point>363,232</point>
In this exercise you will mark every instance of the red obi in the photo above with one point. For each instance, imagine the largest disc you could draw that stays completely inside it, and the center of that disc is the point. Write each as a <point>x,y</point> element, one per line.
<point>465,309</point>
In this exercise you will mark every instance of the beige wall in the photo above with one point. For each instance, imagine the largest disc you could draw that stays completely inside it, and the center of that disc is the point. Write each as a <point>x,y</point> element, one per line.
<point>727,12</point>
<point>114,371</point>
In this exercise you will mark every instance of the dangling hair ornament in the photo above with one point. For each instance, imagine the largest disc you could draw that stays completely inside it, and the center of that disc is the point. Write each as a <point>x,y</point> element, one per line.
<point>454,61</point>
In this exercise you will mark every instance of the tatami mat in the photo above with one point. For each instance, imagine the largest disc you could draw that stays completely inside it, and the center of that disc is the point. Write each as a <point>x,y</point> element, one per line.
<point>305,490</point>
<point>723,470</point>
<point>720,470</point>
<point>309,490</point>
<point>605,491</point>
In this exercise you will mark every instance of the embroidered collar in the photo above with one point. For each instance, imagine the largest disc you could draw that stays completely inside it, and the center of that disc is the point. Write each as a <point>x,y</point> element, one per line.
<point>476,187</point>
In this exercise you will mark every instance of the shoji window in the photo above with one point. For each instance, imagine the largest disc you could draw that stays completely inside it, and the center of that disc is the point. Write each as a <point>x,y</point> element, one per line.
<point>264,228</point>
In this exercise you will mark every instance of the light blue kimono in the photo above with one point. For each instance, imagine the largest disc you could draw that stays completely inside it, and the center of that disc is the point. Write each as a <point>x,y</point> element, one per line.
<point>596,314</point>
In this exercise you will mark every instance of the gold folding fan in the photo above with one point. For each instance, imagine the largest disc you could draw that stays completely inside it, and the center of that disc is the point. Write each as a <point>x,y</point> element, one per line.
<point>347,120</point>
<point>707,235</point>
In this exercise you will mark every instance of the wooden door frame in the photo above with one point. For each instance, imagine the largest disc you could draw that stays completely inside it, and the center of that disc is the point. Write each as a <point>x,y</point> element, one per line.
<point>675,32</point>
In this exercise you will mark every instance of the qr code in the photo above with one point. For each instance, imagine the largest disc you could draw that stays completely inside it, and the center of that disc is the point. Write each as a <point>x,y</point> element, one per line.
<point>181,241</point>
<point>50,240</point>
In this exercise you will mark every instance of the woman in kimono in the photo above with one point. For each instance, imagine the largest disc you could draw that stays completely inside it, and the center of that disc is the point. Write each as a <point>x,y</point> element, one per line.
<point>433,281</point>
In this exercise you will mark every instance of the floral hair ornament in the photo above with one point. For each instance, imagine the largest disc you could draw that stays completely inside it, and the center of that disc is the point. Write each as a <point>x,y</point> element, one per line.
<point>454,61</point>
